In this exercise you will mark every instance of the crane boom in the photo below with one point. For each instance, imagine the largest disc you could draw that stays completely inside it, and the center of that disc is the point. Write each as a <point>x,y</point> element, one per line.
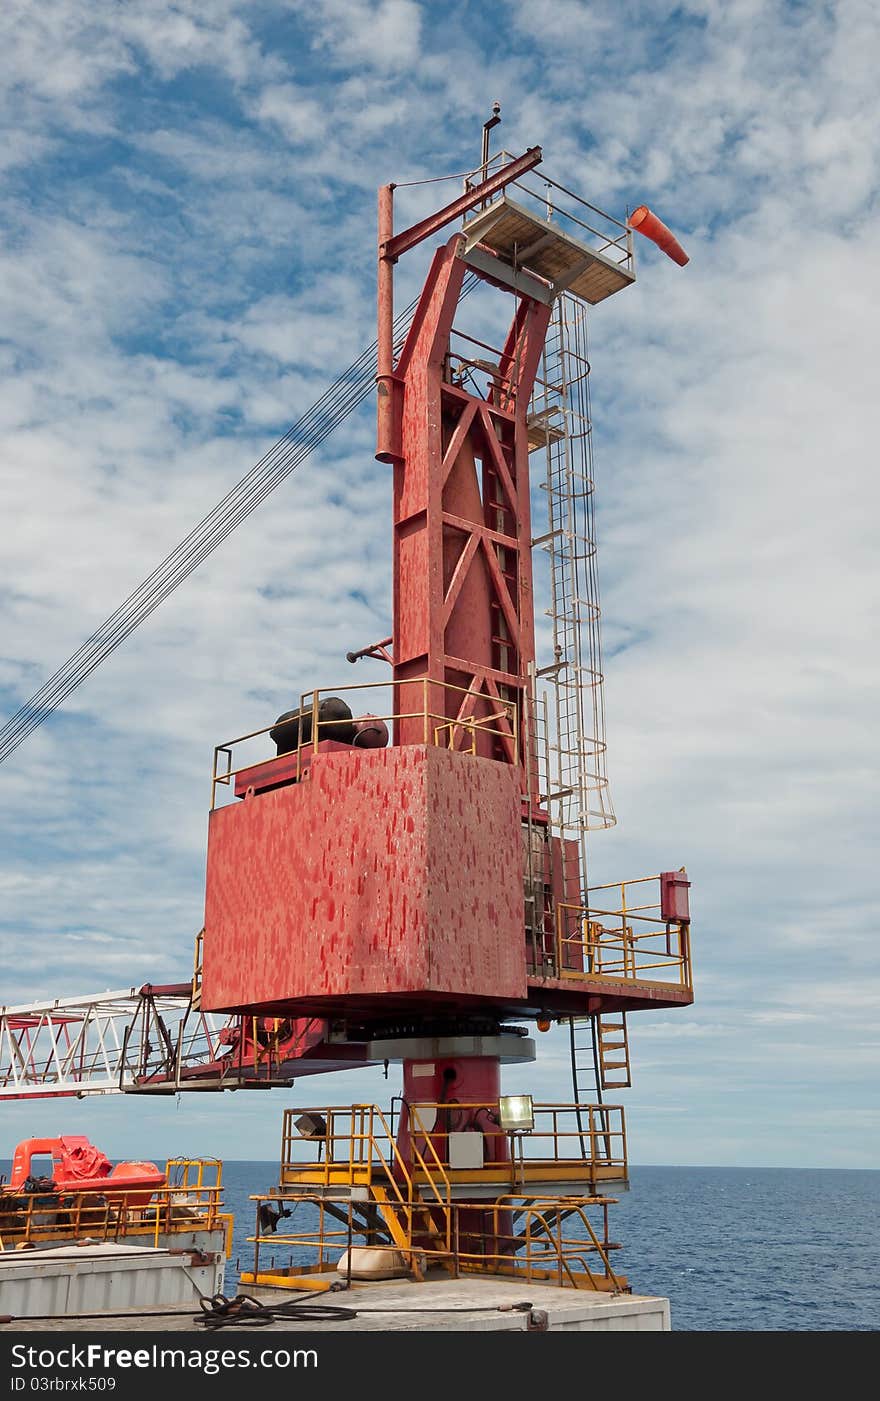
<point>153,1040</point>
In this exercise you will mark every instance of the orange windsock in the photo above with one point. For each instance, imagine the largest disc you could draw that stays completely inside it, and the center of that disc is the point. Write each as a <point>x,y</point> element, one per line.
<point>648,224</point>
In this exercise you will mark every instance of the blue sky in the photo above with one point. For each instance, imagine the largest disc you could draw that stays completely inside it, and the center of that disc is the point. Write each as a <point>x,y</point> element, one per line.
<point>186,259</point>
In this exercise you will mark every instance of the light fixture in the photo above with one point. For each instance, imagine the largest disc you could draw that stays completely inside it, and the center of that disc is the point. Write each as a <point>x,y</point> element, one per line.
<point>543,1023</point>
<point>516,1113</point>
<point>311,1126</point>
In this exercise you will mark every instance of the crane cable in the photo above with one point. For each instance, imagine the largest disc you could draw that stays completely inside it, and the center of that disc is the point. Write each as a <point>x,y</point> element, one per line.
<point>346,393</point>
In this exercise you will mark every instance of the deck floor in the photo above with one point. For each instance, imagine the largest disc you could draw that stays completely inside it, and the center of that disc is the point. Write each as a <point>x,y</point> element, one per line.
<point>437,1304</point>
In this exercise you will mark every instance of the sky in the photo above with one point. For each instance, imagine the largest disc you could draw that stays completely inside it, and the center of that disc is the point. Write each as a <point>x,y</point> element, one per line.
<point>187,245</point>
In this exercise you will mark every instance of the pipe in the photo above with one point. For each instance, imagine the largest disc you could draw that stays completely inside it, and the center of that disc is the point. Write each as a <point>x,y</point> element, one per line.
<point>387,449</point>
<point>487,127</point>
<point>644,222</point>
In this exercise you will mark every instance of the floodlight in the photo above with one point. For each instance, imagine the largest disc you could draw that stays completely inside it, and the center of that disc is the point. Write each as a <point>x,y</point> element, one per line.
<point>516,1113</point>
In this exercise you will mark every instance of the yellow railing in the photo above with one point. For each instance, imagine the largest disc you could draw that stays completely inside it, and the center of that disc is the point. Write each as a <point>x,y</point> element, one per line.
<point>535,1238</point>
<point>440,1190</point>
<point>406,1204</point>
<point>190,1202</point>
<point>619,936</point>
<point>357,1147</point>
<point>441,710</point>
<point>582,1140</point>
<point>348,1144</point>
<point>322,1243</point>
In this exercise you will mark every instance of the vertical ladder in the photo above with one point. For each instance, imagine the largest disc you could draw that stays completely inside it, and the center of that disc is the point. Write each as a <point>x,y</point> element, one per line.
<point>586,1081</point>
<point>559,424</point>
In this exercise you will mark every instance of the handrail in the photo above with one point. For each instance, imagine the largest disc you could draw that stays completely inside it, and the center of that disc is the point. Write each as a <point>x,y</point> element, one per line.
<point>579,199</point>
<point>637,943</point>
<point>393,1167</point>
<point>548,1143</point>
<point>612,240</point>
<point>415,1121</point>
<point>501,724</point>
<point>116,1212</point>
<point>526,1240</point>
<point>397,1159</point>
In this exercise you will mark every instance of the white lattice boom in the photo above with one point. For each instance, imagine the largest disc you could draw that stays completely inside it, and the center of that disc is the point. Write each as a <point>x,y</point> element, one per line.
<point>128,1040</point>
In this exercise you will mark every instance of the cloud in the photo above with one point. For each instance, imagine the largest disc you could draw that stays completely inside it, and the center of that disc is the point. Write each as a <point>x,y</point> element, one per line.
<point>381,34</point>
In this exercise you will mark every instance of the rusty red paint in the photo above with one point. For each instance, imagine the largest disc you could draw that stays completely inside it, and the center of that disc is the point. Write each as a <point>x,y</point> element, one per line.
<point>393,247</point>
<point>674,901</point>
<point>462,534</point>
<point>363,884</point>
<point>286,768</point>
<point>386,873</point>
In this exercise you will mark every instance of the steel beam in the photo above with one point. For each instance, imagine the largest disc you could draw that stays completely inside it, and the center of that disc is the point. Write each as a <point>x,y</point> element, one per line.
<point>393,247</point>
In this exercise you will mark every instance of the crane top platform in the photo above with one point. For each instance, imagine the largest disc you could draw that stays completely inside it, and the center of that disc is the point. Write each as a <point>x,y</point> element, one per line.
<point>536,225</point>
<point>534,244</point>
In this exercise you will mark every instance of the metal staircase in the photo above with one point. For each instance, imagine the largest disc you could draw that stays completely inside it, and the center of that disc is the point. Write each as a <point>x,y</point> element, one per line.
<point>599,1055</point>
<point>360,1188</point>
<point>613,1039</point>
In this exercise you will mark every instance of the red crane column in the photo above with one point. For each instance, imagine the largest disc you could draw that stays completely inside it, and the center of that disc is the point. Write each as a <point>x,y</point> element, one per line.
<point>463,611</point>
<point>463,607</point>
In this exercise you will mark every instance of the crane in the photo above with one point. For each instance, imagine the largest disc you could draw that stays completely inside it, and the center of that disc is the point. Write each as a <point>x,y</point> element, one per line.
<point>405,880</point>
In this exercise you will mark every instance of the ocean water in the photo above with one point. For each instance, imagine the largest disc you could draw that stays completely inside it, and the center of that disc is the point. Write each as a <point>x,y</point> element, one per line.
<point>733,1249</point>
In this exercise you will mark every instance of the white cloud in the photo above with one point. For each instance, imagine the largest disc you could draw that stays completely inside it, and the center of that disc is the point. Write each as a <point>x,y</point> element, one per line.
<point>382,34</point>
<point>302,120</point>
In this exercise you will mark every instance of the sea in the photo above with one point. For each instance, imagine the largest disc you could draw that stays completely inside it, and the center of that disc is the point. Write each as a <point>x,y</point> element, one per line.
<point>733,1249</point>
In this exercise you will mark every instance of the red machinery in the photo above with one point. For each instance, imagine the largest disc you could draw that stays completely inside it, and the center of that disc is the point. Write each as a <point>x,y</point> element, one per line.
<point>383,889</point>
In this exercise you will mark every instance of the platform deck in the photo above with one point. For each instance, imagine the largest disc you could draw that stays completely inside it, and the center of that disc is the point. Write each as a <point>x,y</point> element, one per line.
<point>443,1304</point>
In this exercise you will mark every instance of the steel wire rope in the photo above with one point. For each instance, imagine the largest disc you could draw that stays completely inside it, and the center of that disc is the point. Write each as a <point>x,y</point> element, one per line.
<point>204,523</point>
<point>218,1311</point>
<point>337,402</point>
<point>194,546</point>
<point>142,607</point>
<point>359,379</point>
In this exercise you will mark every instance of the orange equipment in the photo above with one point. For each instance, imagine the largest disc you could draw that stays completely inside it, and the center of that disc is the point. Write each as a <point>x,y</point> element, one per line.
<point>78,1166</point>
